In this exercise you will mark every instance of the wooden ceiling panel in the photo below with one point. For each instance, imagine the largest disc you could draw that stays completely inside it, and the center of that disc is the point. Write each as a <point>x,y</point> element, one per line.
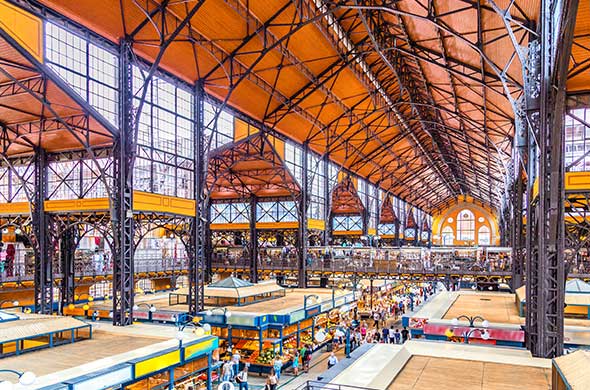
<point>220,27</point>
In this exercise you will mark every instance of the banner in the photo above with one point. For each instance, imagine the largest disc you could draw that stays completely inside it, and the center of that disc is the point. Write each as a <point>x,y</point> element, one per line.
<point>459,331</point>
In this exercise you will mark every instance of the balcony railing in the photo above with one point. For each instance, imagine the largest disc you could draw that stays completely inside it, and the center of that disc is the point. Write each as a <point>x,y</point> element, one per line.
<point>21,268</point>
<point>316,385</point>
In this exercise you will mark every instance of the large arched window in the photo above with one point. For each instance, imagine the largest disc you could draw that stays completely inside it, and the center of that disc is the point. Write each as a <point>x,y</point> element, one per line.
<point>483,236</point>
<point>465,226</point>
<point>447,235</point>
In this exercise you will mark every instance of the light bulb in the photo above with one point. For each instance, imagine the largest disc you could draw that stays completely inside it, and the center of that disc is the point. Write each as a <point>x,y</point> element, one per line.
<point>110,314</point>
<point>152,309</point>
<point>27,378</point>
<point>485,323</point>
<point>207,328</point>
<point>485,335</point>
<point>17,231</point>
<point>474,287</point>
<point>455,321</point>
<point>6,385</point>
<point>85,307</point>
<point>135,307</point>
<point>227,314</point>
<point>5,231</point>
<point>209,312</point>
<point>15,303</point>
<point>199,332</point>
<point>180,335</point>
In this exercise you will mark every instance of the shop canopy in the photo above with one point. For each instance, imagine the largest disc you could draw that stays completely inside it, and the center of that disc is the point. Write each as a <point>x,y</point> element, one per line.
<point>573,299</point>
<point>247,168</point>
<point>231,282</point>
<point>577,286</point>
<point>234,288</point>
<point>36,325</point>
<point>345,198</point>
<point>573,368</point>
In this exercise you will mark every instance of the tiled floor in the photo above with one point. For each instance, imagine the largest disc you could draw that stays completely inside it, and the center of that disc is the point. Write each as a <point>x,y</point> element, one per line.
<point>422,372</point>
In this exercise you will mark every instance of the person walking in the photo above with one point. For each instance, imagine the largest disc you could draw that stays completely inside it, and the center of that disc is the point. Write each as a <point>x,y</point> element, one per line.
<point>226,371</point>
<point>391,335</point>
<point>307,358</point>
<point>405,335</point>
<point>398,336</point>
<point>385,332</point>
<point>235,359</point>
<point>271,380</point>
<point>363,330</point>
<point>295,363</point>
<point>376,318</point>
<point>277,364</point>
<point>242,378</point>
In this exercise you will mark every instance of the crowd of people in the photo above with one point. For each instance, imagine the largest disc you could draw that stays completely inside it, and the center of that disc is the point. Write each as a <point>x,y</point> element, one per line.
<point>378,325</point>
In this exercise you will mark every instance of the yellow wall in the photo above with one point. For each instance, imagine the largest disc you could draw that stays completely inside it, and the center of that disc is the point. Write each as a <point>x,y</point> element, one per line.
<point>441,220</point>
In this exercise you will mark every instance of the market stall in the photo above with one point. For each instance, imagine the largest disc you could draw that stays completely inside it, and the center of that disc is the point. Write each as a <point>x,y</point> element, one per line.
<point>374,292</point>
<point>263,330</point>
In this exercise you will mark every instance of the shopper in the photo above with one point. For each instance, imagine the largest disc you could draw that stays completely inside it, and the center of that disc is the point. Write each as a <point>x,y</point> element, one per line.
<point>332,360</point>
<point>405,335</point>
<point>398,336</point>
<point>226,371</point>
<point>363,330</point>
<point>307,358</point>
<point>277,364</point>
<point>391,335</point>
<point>235,359</point>
<point>296,363</point>
<point>242,378</point>
<point>271,381</point>
<point>377,336</point>
<point>376,318</point>
<point>385,332</point>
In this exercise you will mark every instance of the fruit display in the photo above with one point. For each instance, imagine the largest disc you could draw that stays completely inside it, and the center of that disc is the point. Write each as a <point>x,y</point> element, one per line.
<point>266,357</point>
<point>305,338</point>
<point>290,343</point>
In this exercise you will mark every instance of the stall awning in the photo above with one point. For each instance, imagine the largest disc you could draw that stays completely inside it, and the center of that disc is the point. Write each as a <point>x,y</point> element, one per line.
<point>36,325</point>
<point>240,289</point>
<point>574,369</point>
<point>577,286</point>
<point>573,299</point>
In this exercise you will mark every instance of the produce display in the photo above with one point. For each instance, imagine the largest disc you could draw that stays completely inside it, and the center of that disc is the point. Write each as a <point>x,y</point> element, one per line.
<point>290,343</point>
<point>266,357</point>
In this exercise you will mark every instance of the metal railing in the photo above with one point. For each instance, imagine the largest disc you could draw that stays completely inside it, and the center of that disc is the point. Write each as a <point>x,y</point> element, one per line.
<point>317,385</point>
<point>347,265</point>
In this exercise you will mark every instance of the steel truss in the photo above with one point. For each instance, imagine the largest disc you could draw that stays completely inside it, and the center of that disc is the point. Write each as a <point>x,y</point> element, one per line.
<point>577,231</point>
<point>303,205</point>
<point>546,71</point>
